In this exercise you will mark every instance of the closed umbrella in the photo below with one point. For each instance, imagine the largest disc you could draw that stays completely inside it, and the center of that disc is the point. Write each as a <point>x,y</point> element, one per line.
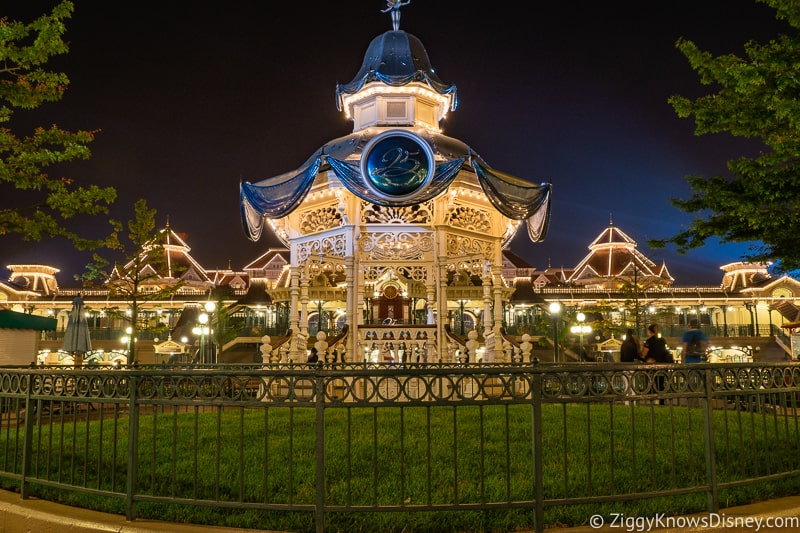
<point>76,336</point>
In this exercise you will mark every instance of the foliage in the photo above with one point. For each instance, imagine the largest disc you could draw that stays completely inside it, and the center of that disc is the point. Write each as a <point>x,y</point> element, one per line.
<point>42,204</point>
<point>223,332</point>
<point>634,291</point>
<point>756,99</point>
<point>143,274</point>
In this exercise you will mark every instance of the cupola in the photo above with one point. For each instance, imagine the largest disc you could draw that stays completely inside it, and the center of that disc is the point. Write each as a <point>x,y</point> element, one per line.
<point>396,86</point>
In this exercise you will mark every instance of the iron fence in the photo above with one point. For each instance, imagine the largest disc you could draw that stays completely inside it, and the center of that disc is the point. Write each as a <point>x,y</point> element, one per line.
<point>330,440</point>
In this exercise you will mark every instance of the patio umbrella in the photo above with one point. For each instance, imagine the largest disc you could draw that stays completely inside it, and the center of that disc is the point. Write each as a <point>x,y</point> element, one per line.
<point>76,336</point>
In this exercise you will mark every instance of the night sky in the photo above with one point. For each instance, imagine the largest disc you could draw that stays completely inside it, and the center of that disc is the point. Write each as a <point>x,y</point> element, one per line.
<point>189,97</point>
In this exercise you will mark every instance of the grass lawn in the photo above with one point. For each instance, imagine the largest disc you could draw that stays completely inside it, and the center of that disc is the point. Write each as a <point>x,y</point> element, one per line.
<point>594,457</point>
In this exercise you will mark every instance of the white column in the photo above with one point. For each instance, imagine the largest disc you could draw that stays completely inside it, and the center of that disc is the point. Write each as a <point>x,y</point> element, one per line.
<point>497,288</point>
<point>441,306</point>
<point>354,298</point>
<point>294,324</point>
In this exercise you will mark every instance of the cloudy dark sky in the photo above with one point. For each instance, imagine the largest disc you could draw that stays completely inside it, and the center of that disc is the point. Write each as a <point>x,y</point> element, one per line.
<point>189,97</point>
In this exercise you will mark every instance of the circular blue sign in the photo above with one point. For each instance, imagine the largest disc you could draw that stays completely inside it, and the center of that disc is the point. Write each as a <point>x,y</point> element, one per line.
<point>397,164</point>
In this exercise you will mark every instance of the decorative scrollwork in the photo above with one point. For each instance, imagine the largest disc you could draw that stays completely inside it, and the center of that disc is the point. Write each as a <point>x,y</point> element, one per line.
<point>415,273</point>
<point>414,214</point>
<point>321,219</point>
<point>396,246</point>
<point>331,245</point>
<point>461,245</point>
<point>468,218</point>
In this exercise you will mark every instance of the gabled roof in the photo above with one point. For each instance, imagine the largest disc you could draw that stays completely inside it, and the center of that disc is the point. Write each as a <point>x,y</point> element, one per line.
<point>554,276</point>
<point>613,254</point>
<point>271,256</point>
<point>767,285</point>
<point>229,278</point>
<point>175,263</point>
<point>524,294</point>
<point>741,275</point>
<point>515,260</point>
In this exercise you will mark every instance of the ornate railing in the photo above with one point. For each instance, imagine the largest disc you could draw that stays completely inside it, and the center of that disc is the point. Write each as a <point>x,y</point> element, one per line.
<point>502,436</point>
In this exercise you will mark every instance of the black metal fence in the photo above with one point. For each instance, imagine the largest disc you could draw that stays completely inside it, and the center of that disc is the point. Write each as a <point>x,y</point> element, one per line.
<point>364,439</point>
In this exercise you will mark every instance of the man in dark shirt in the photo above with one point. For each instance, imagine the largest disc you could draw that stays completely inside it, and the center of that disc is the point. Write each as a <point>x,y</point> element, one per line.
<point>654,348</point>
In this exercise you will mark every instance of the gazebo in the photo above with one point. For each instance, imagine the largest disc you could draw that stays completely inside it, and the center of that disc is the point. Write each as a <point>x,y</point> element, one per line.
<point>395,229</point>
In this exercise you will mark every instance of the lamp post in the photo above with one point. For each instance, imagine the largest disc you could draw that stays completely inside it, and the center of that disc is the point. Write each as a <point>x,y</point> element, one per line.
<point>202,331</point>
<point>127,340</point>
<point>581,329</point>
<point>210,307</point>
<point>555,309</point>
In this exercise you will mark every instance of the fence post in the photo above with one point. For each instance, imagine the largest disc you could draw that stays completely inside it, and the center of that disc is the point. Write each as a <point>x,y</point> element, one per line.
<point>27,449</point>
<point>711,456</point>
<point>538,477</point>
<point>133,449</point>
<point>319,445</point>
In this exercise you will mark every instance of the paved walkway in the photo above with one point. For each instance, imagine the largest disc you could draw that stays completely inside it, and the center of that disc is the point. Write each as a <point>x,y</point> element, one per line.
<point>39,516</point>
<point>780,514</point>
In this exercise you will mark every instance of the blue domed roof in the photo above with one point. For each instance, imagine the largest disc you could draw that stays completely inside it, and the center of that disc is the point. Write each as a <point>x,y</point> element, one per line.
<point>396,58</point>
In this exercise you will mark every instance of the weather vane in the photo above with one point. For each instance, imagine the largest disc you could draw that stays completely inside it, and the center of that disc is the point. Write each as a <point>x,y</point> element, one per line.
<point>393,7</point>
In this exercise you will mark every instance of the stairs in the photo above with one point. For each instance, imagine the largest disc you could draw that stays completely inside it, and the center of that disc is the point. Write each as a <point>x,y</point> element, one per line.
<point>788,310</point>
<point>766,349</point>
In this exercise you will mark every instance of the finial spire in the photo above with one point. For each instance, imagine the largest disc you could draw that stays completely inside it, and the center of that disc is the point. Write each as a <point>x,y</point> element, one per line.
<point>393,7</point>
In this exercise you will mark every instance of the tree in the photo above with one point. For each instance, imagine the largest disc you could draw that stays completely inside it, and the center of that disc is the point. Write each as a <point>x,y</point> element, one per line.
<point>756,98</point>
<point>143,274</point>
<point>42,204</point>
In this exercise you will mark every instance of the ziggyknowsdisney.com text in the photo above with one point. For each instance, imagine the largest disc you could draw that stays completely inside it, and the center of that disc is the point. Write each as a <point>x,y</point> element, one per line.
<point>711,520</point>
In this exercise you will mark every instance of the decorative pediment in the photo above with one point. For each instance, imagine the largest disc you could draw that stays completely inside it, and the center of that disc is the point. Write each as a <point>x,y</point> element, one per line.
<point>170,346</point>
<point>611,344</point>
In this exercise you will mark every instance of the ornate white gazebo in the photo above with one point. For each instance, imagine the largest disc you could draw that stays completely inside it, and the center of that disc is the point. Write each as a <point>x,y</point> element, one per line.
<point>396,225</point>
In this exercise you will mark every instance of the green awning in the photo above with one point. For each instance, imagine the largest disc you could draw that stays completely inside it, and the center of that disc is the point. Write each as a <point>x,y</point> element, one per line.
<point>14,320</point>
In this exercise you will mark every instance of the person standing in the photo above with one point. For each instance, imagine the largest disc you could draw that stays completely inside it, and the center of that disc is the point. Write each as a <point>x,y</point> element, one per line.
<point>629,350</point>
<point>695,343</point>
<point>654,348</point>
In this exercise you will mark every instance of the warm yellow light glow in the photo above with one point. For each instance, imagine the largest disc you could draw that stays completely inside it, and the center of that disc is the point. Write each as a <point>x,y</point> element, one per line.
<point>374,89</point>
